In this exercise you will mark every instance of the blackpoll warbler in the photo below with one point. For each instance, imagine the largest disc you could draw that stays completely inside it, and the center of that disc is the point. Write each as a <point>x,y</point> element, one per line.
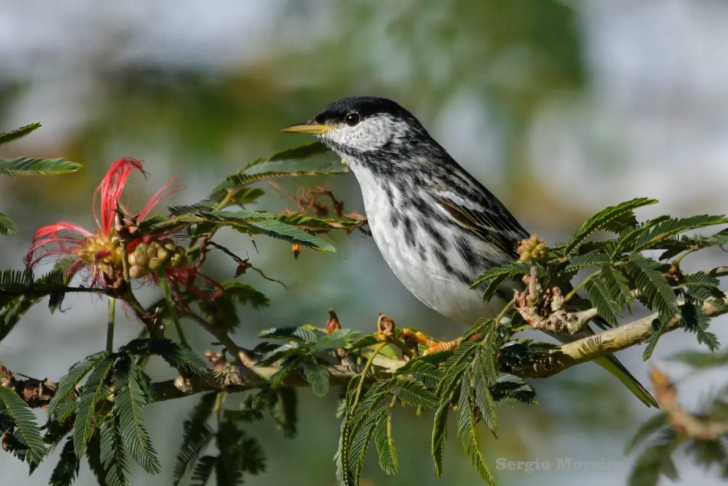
<point>437,227</point>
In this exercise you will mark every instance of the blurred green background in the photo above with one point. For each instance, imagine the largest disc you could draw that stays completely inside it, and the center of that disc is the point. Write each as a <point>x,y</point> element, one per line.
<point>559,107</point>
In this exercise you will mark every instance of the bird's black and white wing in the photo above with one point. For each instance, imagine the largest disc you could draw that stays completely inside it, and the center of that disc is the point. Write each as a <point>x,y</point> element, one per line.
<point>483,216</point>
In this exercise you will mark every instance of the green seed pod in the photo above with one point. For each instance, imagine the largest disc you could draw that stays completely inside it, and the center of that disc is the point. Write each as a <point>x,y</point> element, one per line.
<point>136,271</point>
<point>177,260</point>
<point>169,244</point>
<point>141,258</point>
<point>141,248</point>
<point>155,264</point>
<point>163,254</point>
<point>152,250</point>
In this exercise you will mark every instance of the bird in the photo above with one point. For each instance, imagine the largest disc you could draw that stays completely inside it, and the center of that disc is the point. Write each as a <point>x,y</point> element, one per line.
<point>437,227</point>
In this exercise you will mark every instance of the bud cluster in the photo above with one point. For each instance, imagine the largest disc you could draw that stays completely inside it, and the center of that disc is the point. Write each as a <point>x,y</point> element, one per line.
<point>155,256</point>
<point>532,250</point>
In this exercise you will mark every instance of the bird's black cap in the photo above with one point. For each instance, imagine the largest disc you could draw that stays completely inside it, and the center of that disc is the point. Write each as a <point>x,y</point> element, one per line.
<point>364,106</point>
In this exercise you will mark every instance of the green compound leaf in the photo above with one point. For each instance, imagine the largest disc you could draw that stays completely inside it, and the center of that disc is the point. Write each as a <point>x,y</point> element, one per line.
<point>384,441</point>
<point>197,434</point>
<point>7,227</point>
<point>91,393</point>
<point>317,376</point>
<point>22,166</point>
<point>613,218</point>
<point>308,160</point>
<point>26,427</point>
<point>67,384</point>
<point>132,395</point>
<point>468,435</point>
<point>18,133</point>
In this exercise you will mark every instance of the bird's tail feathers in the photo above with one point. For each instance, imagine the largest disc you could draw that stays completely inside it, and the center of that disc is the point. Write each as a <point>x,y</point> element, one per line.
<point>612,364</point>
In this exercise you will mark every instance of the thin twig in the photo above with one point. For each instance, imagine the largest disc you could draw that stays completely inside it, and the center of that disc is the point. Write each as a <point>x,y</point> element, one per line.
<point>168,297</point>
<point>110,326</point>
<point>246,357</point>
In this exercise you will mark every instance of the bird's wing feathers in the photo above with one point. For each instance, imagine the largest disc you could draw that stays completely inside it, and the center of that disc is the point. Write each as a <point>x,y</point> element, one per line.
<point>494,225</point>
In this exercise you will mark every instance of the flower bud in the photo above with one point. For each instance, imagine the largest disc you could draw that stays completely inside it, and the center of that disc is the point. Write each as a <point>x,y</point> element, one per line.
<point>152,249</point>
<point>136,271</point>
<point>156,264</point>
<point>141,248</point>
<point>163,254</point>
<point>333,324</point>
<point>532,250</point>
<point>178,260</point>
<point>139,258</point>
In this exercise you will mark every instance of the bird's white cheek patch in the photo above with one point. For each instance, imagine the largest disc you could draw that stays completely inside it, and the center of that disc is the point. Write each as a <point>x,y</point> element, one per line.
<point>371,134</point>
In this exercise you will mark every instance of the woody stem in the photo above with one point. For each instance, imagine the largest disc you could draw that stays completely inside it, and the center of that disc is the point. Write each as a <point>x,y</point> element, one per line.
<point>173,310</point>
<point>110,325</point>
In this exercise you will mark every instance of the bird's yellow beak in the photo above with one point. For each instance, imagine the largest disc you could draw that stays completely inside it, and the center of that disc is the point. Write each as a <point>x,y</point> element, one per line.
<point>310,127</point>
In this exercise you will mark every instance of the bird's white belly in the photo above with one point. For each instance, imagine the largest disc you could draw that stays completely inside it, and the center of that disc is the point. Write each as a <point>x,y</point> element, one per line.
<point>425,278</point>
<point>426,281</point>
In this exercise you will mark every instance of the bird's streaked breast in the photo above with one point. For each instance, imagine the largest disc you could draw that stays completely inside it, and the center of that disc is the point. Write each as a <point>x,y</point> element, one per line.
<point>436,261</point>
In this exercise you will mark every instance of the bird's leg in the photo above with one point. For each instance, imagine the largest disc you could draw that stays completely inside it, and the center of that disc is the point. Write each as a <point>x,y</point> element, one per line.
<point>415,338</point>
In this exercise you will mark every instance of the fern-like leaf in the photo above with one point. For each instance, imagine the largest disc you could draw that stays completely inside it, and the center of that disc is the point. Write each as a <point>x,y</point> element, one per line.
<point>7,227</point>
<point>673,226</point>
<point>26,427</point>
<point>22,166</point>
<point>483,398</point>
<point>655,423</point>
<point>112,453</point>
<point>439,434</point>
<point>67,468</point>
<point>617,287</point>
<point>384,442</point>
<point>454,368</point>
<point>359,445</point>
<point>283,231</point>
<point>283,406</point>
<point>694,320</point>
<point>495,276</point>
<point>468,435</point>
<point>317,376</point>
<point>179,357</point>
<point>702,286</point>
<point>132,395</point>
<point>587,260</point>
<point>658,328</point>
<point>67,384</point>
<point>308,160</point>
<point>203,470</point>
<point>655,291</point>
<point>655,461</point>
<point>602,300</point>
<point>300,334</point>
<point>602,220</point>
<point>414,393</point>
<point>91,393</point>
<point>18,133</point>
<point>197,434</point>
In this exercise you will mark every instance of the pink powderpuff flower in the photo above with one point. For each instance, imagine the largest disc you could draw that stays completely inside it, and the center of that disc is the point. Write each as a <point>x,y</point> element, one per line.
<point>98,251</point>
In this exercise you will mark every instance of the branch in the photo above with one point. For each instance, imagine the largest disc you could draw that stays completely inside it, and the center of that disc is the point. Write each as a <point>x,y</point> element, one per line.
<point>229,377</point>
<point>608,342</point>
<point>702,426</point>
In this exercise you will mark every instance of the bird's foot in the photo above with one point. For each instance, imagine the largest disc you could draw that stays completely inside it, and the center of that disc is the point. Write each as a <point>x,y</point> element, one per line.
<point>416,337</point>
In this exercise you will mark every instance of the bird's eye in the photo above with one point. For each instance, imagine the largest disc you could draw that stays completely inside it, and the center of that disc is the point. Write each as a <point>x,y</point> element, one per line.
<point>352,119</point>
